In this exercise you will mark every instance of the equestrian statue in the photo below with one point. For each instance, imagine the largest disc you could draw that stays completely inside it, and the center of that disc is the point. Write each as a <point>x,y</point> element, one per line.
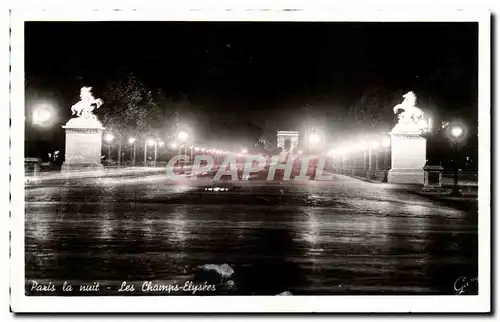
<point>85,107</point>
<point>412,116</point>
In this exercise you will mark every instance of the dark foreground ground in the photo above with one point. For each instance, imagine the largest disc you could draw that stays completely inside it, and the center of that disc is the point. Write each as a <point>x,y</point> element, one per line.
<point>339,237</point>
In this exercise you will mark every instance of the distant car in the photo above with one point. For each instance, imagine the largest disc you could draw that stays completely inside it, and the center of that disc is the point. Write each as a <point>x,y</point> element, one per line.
<point>106,161</point>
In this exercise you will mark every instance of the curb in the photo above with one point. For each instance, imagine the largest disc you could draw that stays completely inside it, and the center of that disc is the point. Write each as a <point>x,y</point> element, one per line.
<point>33,179</point>
<point>463,203</point>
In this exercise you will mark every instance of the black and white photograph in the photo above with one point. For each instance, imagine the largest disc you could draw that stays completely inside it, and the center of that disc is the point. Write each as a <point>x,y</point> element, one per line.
<point>199,162</point>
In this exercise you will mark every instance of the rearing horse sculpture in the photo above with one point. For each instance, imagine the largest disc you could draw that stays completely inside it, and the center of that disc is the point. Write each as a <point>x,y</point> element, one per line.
<point>85,107</point>
<point>411,113</point>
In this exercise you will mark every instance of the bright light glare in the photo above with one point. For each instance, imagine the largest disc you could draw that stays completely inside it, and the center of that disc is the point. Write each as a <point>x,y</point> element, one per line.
<point>131,140</point>
<point>332,152</point>
<point>173,145</point>
<point>244,151</point>
<point>42,115</point>
<point>315,138</point>
<point>360,146</point>
<point>457,131</point>
<point>386,142</point>
<point>374,144</point>
<point>161,143</point>
<point>109,137</point>
<point>182,135</point>
<point>342,150</point>
<point>151,142</point>
<point>197,149</point>
<point>299,152</point>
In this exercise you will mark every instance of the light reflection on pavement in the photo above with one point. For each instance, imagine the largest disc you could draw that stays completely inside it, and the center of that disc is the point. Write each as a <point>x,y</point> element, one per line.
<point>340,237</point>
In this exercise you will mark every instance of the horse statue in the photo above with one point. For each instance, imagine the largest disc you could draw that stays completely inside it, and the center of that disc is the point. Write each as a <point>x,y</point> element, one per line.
<point>85,107</point>
<point>411,115</point>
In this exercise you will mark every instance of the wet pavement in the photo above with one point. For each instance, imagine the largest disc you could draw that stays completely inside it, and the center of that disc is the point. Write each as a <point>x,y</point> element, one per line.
<point>344,236</point>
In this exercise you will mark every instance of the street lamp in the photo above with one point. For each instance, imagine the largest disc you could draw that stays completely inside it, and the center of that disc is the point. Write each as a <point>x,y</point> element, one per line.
<point>374,145</point>
<point>386,143</point>
<point>109,137</point>
<point>314,138</point>
<point>457,134</point>
<point>361,146</point>
<point>456,131</point>
<point>131,141</point>
<point>43,115</point>
<point>183,136</point>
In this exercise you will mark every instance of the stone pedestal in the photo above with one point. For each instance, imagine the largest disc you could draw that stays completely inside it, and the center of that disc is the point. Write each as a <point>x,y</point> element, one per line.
<point>83,144</point>
<point>371,174</point>
<point>433,176</point>
<point>408,155</point>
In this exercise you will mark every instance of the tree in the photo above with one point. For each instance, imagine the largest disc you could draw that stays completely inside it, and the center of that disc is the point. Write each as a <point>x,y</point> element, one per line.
<point>129,110</point>
<point>373,112</point>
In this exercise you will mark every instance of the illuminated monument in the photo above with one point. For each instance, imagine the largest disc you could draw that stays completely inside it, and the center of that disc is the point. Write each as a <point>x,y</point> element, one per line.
<point>408,147</point>
<point>83,134</point>
<point>288,140</point>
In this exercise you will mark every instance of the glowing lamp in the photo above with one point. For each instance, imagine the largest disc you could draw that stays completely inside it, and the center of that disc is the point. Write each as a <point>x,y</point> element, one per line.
<point>43,115</point>
<point>314,138</point>
<point>108,137</point>
<point>182,136</point>
<point>457,131</point>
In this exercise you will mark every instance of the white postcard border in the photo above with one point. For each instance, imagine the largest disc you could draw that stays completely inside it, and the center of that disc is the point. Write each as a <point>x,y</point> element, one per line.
<point>22,303</point>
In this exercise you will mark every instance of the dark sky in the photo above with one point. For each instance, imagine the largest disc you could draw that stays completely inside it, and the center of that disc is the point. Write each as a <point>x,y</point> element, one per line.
<point>262,71</point>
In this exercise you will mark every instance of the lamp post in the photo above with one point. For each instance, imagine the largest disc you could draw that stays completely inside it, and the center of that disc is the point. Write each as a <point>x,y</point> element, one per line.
<point>43,117</point>
<point>149,142</point>
<point>386,143</point>
<point>457,135</point>
<point>109,137</point>
<point>333,154</point>
<point>370,174</point>
<point>156,153</point>
<point>160,145</point>
<point>361,146</point>
<point>314,140</point>
<point>131,141</point>
<point>182,136</point>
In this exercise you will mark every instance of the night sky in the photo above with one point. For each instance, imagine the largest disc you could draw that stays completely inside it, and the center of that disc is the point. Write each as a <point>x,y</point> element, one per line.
<point>262,72</point>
